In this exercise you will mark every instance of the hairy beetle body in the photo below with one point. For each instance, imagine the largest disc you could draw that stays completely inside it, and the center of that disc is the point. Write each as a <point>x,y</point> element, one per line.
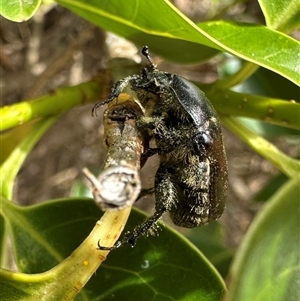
<point>191,181</point>
<point>193,167</point>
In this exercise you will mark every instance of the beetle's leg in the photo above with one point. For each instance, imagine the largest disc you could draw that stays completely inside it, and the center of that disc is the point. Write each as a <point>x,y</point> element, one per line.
<point>100,104</point>
<point>157,125</point>
<point>144,228</point>
<point>145,191</point>
<point>150,152</point>
<point>166,198</point>
<point>132,237</point>
<point>116,90</point>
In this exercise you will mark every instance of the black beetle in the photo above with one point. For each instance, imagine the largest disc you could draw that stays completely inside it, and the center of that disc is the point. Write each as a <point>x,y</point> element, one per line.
<point>191,181</point>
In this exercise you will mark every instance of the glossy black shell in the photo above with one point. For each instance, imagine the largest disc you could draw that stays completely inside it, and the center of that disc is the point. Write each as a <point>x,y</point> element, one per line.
<point>192,99</point>
<point>193,128</point>
<point>196,104</point>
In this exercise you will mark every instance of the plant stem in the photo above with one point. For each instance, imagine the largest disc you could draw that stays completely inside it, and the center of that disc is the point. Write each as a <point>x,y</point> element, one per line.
<point>284,163</point>
<point>245,72</point>
<point>271,110</point>
<point>12,165</point>
<point>58,102</point>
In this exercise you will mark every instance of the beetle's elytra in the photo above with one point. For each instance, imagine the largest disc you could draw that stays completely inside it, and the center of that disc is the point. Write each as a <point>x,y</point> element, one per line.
<point>191,181</point>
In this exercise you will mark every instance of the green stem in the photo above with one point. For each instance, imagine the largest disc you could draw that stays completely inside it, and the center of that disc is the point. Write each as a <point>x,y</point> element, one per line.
<point>275,111</point>
<point>76,270</point>
<point>284,163</point>
<point>245,72</point>
<point>58,102</point>
<point>13,163</point>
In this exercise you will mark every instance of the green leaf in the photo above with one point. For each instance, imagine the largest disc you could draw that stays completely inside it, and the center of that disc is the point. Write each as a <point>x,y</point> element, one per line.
<point>258,44</point>
<point>158,23</point>
<point>154,23</point>
<point>283,15</point>
<point>34,232</point>
<point>161,268</point>
<point>154,268</point>
<point>210,240</point>
<point>19,10</point>
<point>271,84</point>
<point>267,264</point>
<point>17,286</point>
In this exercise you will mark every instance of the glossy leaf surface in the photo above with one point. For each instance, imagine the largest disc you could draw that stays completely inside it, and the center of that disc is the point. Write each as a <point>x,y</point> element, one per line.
<point>167,32</point>
<point>18,10</point>
<point>156,268</point>
<point>267,264</point>
<point>283,15</point>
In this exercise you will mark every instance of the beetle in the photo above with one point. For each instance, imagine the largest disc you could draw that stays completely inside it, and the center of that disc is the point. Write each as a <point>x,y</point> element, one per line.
<point>191,181</point>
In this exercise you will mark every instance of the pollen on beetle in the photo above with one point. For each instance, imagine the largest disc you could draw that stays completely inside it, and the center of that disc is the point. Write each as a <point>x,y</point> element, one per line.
<point>123,97</point>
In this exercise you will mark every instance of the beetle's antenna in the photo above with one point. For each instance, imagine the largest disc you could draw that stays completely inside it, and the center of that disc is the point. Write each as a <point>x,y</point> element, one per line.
<point>146,54</point>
